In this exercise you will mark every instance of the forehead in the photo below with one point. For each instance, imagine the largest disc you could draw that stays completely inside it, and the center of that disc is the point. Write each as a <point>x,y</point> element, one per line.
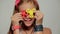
<point>26,5</point>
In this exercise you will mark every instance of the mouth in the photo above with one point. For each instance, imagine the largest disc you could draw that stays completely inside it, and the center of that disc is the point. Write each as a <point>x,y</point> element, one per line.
<point>27,19</point>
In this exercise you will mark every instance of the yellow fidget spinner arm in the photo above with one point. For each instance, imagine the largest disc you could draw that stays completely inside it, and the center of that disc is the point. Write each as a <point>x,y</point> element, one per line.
<point>30,11</point>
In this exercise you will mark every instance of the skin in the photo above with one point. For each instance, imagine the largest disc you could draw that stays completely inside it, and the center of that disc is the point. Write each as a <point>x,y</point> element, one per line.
<point>39,16</point>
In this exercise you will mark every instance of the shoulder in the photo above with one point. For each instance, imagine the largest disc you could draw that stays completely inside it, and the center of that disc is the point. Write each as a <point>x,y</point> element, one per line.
<point>47,30</point>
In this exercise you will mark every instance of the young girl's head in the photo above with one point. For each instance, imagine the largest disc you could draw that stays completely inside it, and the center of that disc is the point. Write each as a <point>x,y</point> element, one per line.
<point>23,5</point>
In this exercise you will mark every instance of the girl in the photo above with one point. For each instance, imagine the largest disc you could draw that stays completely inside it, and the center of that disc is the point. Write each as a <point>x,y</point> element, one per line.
<point>27,26</point>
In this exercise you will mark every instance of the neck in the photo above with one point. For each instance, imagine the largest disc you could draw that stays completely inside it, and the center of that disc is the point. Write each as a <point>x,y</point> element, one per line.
<point>29,31</point>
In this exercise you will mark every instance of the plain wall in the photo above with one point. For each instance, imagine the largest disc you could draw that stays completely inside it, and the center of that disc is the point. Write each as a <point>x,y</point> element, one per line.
<point>50,8</point>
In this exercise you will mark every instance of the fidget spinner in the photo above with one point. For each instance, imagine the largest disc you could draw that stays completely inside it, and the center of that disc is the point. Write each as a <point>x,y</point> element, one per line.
<point>29,12</point>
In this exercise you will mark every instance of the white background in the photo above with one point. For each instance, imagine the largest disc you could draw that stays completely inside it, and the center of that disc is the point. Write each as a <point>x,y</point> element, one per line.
<point>50,8</point>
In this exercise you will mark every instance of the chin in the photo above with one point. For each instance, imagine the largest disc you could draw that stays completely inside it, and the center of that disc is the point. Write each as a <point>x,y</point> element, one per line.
<point>28,25</point>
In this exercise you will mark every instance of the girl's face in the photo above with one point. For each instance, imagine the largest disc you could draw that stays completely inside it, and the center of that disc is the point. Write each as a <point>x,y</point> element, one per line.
<point>27,5</point>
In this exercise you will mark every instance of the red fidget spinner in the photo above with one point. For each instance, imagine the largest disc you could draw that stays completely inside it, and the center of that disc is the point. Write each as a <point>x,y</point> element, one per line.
<point>24,14</point>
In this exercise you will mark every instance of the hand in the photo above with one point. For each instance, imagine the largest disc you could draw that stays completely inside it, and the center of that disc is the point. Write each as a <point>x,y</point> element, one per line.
<point>16,18</point>
<point>39,17</point>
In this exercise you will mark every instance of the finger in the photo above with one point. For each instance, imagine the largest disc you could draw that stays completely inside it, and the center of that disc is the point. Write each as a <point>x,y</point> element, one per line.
<point>35,16</point>
<point>20,19</point>
<point>17,15</point>
<point>38,13</point>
